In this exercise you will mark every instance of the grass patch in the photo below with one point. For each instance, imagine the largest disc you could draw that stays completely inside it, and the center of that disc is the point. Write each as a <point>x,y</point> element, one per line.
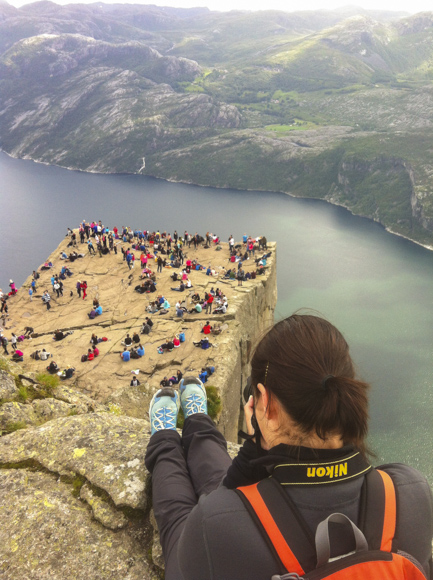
<point>297,125</point>
<point>14,426</point>
<point>213,402</point>
<point>4,365</point>
<point>23,394</point>
<point>49,382</point>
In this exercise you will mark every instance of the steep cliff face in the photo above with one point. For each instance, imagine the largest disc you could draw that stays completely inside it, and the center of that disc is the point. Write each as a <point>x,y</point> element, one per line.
<point>75,496</point>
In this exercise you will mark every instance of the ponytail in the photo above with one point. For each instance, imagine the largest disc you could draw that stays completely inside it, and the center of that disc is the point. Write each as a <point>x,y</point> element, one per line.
<point>304,362</point>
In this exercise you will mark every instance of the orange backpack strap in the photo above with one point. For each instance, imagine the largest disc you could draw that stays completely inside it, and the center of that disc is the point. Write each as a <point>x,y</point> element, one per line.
<point>390,513</point>
<point>278,519</point>
<point>378,511</point>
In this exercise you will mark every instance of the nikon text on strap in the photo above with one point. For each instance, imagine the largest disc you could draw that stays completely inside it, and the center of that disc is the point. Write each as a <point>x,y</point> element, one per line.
<point>305,473</point>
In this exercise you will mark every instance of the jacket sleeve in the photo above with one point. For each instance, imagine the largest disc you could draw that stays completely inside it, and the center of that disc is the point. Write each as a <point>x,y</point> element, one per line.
<point>242,471</point>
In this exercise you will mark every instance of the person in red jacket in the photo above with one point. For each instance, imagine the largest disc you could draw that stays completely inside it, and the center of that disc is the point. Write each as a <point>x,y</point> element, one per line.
<point>95,351</point>
<point>207,328</point>
<point>83,287</point>
<point>209,302</point>
<point>90,355</point>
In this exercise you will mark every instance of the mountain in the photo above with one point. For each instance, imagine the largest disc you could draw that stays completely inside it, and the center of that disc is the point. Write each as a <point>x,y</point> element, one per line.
<point>333,104</point>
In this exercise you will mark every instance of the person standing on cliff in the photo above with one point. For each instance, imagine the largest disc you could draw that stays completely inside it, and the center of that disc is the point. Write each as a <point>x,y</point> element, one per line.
<point>83,287</point>
<point>46,298</point>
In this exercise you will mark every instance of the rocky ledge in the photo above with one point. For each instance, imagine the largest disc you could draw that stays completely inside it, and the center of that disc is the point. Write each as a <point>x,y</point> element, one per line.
<point>75,494</point>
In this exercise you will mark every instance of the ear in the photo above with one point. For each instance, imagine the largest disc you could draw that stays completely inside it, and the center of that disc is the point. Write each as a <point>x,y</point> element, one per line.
<point>264,396</point>
<point>268,402</point>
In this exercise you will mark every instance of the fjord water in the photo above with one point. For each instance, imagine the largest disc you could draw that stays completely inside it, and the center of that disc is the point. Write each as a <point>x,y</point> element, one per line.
<point>375,287</point>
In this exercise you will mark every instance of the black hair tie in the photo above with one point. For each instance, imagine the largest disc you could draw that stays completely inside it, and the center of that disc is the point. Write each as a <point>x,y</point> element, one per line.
<point>325,379</point>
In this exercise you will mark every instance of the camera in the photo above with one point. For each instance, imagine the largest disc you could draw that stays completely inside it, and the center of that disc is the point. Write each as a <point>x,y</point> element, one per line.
<point>248,390</point>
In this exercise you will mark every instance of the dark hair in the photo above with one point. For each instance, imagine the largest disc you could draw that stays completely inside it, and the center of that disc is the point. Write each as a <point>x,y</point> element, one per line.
<point>304,362</point>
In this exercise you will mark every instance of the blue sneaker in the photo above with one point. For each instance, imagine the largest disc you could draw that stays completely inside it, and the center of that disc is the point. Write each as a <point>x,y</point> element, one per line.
<point>192,396</point>
<point>163,409</point>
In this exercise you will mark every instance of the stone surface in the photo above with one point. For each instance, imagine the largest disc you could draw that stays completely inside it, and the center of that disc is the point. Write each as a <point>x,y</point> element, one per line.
<point>46,532</point>
<point>8,388</point>
<point>106,449</point>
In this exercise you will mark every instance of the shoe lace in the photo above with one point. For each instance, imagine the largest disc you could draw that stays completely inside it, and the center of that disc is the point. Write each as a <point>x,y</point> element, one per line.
<point>164,418</point>
<point>194,403</point>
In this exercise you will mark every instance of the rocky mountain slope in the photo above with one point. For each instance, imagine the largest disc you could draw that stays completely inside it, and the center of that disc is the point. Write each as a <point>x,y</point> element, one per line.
<point>330,104</point>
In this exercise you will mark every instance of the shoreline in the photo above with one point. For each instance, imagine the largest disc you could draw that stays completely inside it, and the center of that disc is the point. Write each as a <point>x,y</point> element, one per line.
<point>386,228</point>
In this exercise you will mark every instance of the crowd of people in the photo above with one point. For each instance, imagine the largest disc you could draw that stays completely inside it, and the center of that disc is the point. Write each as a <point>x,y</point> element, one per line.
<point>149,250</point>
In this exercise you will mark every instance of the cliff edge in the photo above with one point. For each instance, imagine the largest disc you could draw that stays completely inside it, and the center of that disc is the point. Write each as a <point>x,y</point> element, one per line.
<point>75,499</point>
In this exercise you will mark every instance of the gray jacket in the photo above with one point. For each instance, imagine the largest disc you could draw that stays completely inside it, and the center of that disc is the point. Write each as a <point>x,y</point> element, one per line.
<point>221,542</point>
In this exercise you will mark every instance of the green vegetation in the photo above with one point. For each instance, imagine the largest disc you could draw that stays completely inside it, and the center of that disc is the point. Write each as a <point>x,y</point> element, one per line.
<point>14,426</point>
<point>309,104</point>
<point>4,365</point>
<point>49,382</point>
<point>77,484</point>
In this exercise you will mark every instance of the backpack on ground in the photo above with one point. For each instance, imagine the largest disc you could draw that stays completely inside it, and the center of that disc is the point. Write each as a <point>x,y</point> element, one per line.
<point>84,358</point>
<point>301,556</point>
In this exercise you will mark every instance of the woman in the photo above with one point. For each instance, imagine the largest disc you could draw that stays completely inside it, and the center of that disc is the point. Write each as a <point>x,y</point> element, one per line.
<point>309,410</point>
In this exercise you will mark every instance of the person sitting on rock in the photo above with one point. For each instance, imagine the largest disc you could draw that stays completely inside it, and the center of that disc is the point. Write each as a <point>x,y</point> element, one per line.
<point>145,329</point>
<point>59,335</point>
<point>67,373</point>
<point>136,338</point>
<point>140,350</point>
<point>195,298</point>
<point>207,328</point>
<point>90,355</point>
<point>36,355</point>
<point>127,341</point>
<point>52,367</point>
<point>44,354</point>
<point>152,308</point>
<point>174,277</point>
<point>165,307</point>
<point>165,382</point>
<point>125,355</point>
<point>197,309</point>
<point>98,310</point>
<point>221,309</point>
<point>149,322</point>
<point>18,355</point>
<point>95,351</point>
<point>134,382</point>
<point>180,288</point>
<point>204,343</point>
<point>94,340</point>
<point>167,346</point>
<point>175,379</point>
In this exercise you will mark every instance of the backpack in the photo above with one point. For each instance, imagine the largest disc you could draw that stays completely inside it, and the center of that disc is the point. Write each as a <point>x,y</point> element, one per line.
<point>374,557</point>
<point>84,358</point>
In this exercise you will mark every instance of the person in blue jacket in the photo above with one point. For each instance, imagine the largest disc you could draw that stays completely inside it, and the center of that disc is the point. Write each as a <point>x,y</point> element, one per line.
<point>125,355</point>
